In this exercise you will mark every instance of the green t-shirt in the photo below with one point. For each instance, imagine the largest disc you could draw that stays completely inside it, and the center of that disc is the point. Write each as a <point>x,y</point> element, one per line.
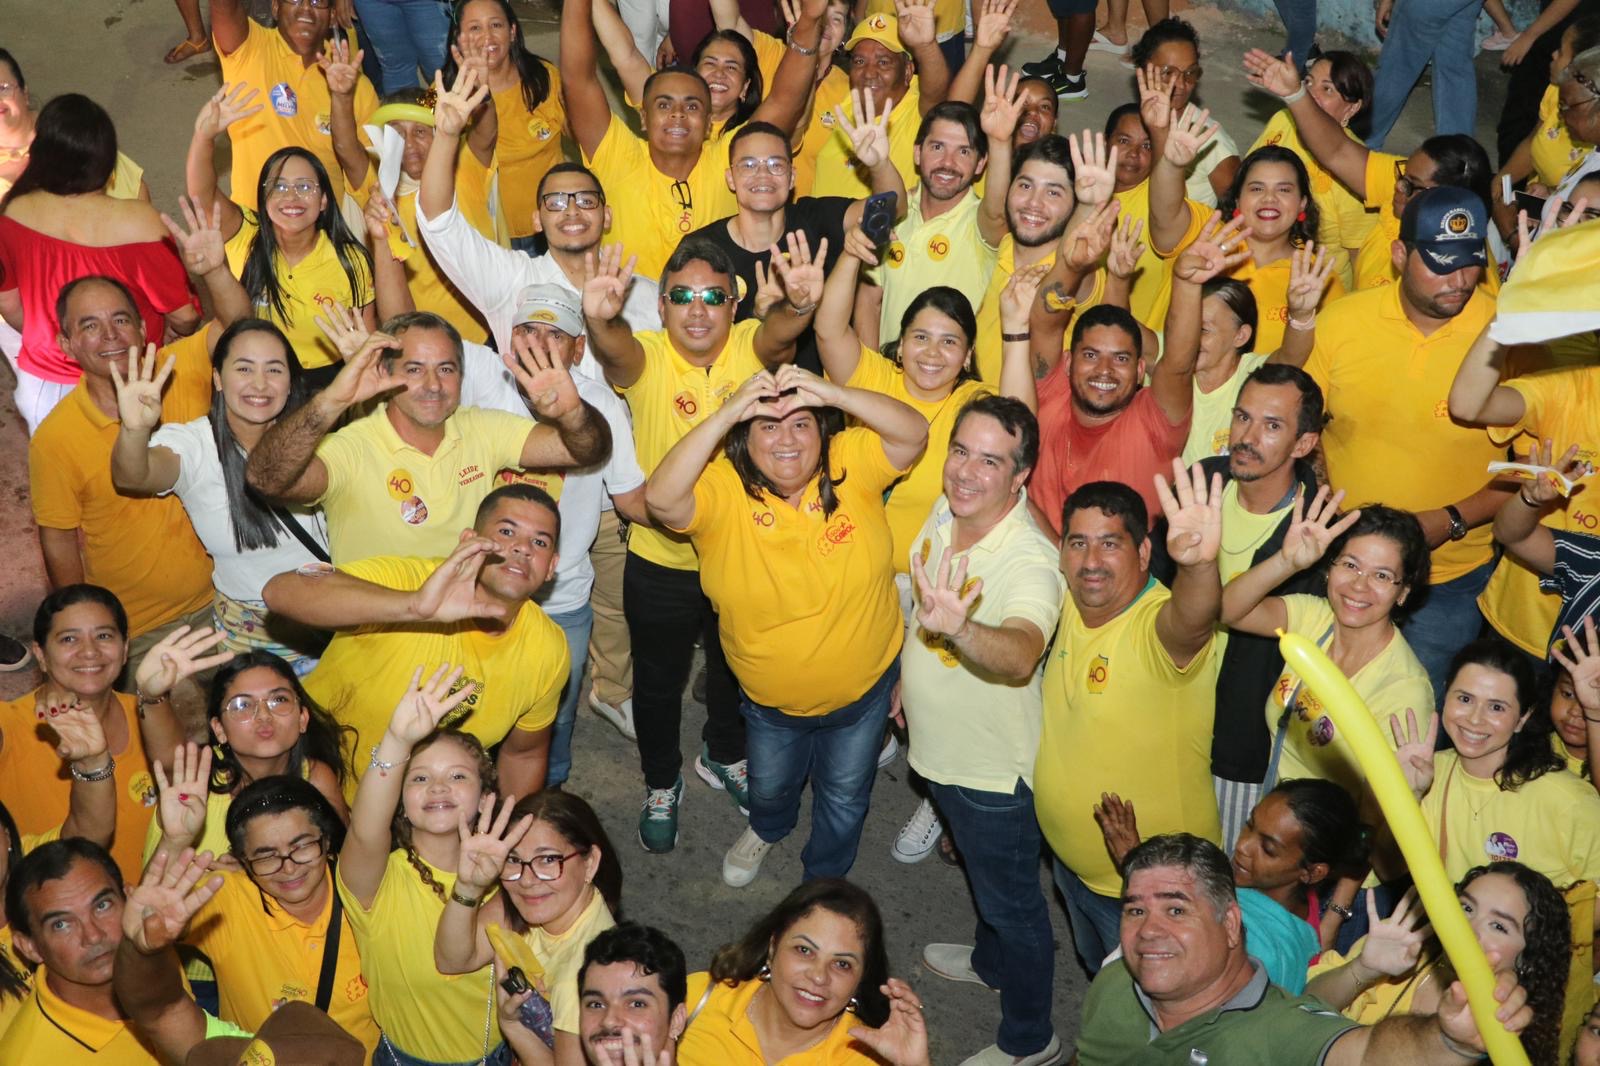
<point>1261,1026</point>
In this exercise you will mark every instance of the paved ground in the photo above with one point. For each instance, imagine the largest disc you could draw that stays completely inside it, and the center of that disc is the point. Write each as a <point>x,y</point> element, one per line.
<point>111,50</point>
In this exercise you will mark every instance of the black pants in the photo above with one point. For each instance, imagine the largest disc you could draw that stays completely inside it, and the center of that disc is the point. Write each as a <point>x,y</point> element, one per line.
<point>665,610</point>
<point>1524,89</point>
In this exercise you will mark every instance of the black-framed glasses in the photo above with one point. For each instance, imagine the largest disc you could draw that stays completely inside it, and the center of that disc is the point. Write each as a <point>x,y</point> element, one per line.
<point>543,867</point>
<point>301,855</point>
<point>683,194</point>
<point>586,200</point>
<point>278,705</point>
<point>681,295</point>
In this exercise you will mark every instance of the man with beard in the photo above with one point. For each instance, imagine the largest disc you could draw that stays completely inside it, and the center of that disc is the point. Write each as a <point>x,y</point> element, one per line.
<point>1385,359</point>
<point>632,986</point>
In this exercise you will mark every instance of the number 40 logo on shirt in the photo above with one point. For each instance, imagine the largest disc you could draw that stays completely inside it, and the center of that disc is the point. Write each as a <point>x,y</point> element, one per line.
<point>1099,674</point>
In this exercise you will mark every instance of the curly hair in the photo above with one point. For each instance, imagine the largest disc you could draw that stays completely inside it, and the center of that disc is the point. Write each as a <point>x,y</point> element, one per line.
<point>400,828</point>
<point>1544,963</point>
<point>1302,229</point>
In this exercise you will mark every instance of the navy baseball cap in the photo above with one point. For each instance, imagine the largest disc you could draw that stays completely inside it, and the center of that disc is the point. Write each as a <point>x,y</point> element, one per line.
<point>1448,227</point>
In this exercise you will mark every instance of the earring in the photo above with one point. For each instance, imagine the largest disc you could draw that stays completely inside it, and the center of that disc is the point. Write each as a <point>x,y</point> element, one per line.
<point>1237,212</point>
<point>854,1006</point>
<point>765,974</point>
<point>1301,217</point>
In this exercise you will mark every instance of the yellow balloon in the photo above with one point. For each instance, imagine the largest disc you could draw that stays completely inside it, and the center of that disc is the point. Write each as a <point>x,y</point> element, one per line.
<point>1404,815</point>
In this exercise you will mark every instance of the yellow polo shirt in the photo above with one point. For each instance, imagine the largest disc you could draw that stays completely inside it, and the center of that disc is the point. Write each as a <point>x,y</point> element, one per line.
<point>988,342</point>
<point>1270,286</point>
<point>264,957</point>
<point>817,130</point>
<point>1211,416</point>
<point>1374,264</point>
<point>423,1012</point>
<point>1343,220</point>
<point>912,496</point>
<point>837,171</point>
<point>1563,406</point>
<point>385,497</point>
<point>296,110</point>
<point>947,249</point>
<point>309,287</point>
<point>671,397</point>
<point>1556,154</point>
<point>968,727</point>
<point>806,603</point>
<point>562,956</point>
<point>650,211</point>
<point>528,145</point>
<point>1391,438</point>
<point>1103,686</point>
<point>723,1035</point>
<point>1152,285</point>
<point>47,1029</point>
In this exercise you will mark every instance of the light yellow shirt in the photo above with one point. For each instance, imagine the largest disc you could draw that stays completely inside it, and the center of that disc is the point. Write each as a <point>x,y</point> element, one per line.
<point>1211,416</point>
<point>562,956</point>
<point>947,249</point>
<point>1556,153</point>
<point>1270,286</point>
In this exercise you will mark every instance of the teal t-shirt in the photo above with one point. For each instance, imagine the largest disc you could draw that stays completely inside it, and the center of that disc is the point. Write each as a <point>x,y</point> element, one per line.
<point>1284,943</point>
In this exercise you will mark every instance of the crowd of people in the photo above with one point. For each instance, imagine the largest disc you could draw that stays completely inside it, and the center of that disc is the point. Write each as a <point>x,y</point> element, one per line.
<point>842,352</point>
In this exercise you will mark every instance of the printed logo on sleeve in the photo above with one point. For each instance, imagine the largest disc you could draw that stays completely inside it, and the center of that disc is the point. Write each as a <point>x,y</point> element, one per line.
<point>284,101</point>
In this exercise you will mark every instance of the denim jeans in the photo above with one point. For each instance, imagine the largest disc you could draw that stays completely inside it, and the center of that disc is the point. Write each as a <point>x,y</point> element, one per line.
<point>387,1054</point>
<point>1300,27</point>
<point>1096,920</point>
<point>1014,950</point>
<point>576,626</point>
<point>838,751</point>
<point>1448,620</point>
<point>1420,31</point>
<point>407,35</point>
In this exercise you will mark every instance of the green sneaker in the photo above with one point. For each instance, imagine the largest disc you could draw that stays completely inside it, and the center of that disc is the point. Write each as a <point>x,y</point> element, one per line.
<point>658,818</point>
<point>732,778</point>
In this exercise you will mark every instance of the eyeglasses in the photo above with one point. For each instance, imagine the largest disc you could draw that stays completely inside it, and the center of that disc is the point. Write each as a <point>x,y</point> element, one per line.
<point>304,188</point>
<point>1408,185</point>
<point>8,87</point>
<point>278,705</point>
<point>586,200</point>
<point>543,867</point>
<point>317,5</point>
<point>1378,576</point>
<point>1190,75</point>
<point>680,295</point>
<point>683,194</point>
<point>301,855</point>
<point>776,165</point>
<point>1566,109</point>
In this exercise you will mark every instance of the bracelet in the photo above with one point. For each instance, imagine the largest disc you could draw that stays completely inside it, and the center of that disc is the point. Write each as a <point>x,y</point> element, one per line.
<point>1025,335</point>
<point>378,764</point>
<point>150,701</point>
<point>798,311</point>
<point>1462,1050</point>
<point>90,776</point>
<point>466,901</point>
<point>1294,323</point>
<point>808,52</point>
<point>1297,94</point>
<point>1344,912</point>
<point>1523,495</point>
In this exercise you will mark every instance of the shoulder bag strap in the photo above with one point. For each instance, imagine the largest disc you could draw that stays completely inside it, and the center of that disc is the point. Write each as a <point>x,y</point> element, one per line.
<point>298,532</point>
<point>1281,734</point>
<point>330,947</point>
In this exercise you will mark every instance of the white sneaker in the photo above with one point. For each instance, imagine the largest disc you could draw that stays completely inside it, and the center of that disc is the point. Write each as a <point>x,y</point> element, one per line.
<point>993,1056</point>
<point>619,718</point>
<point>743,861</point>
<point>953,962</point>
<point>919,836</point>
<point>890,749</point>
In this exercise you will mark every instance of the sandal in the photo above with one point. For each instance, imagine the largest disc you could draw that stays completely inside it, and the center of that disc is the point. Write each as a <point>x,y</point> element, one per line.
<point>186,50</point>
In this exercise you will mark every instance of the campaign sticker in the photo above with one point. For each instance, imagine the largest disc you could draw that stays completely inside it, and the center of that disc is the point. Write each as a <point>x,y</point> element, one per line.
<point>1500,846</point>
<point>284,101</point>
<point>414,511</point>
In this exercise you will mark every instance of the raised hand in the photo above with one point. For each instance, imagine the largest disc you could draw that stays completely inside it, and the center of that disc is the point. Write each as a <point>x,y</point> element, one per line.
<point>484,849</point>
<point>426,703</point>
<point>869,137</point>
<point>1313,526</point>
<point>859,245</point>
<point>1394,944</point>
<point>1581,659</point>
<point>472,55</point>
<point>343,326</point>
<point>542,375</point>
<point>605,282</point>
<point>637,1050</point>
<point>803,388</point>
<point>757,397</point>
<point>201,246</point>
<point>79,735</point>
<point>1455,1014</point>
<point>1544,491</point>
<point>944,603</point>
<point>379,215</point>
<point>181,803</point>
<point>451,592</point>
<point>994,24</point>
<point>916,23</point>
<point>1194,515</point>
<point>769,287</point>
<point>903,1039</point>
<point>1219,250</point>
<point>1276,75</point>
<point>139,397</point>
<point>1155,97</point>
<point>1094,169</point>
<point>453,107</point>
<point>1085,245</point>
<point>227,105</point>
<point>1190,132</point>
<point>167,897</point>
<point>1122,259</point>
<point>1118,824</point>
<point>1310,267</point>
<point>1017,298</point>
<point>1529,231</point>
<point>800,272</point>
<point>180,654</point>
<point>1002,102</point>
<point>1415,751</point>
<point>363,376</point>
<point>339,66</point>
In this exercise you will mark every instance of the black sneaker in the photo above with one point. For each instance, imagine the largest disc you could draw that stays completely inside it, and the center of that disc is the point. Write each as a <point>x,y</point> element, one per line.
<point>1044,68</point>
<point>1065,86</point>
<point>14,655</point>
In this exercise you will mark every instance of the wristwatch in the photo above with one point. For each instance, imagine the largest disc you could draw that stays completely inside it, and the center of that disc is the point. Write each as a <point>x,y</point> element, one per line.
<point>1458,525</point>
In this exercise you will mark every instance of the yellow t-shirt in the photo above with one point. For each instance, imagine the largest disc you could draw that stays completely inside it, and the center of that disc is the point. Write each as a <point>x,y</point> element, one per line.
<point>362,674</point>
<point>832,91</point>
<point>1270,286</point>
<point>423,1012</point>
<point>911,496</point>
<point>1391,995</point>
<point>1391,437</point>
<point>1563,406</point>
<point>1575,763</point>
<point>1152,285</point>
<point>309,287</point>
<point>1374,262</point>
<point>1101,687</point>
<point>1344,221</point>
<point>806,604</point>
<point>529,144</point>
<point>141,548</point>
<point>970,728</point>
<point>47,1029</point>
<point>1555,152</point>
<point>385,497</point>
<point>723,1035</point>
<point>1550,824</point>
<point>1211,416</point>
<point>1243,534</point>
<point>988,343</point>
<point>947,249</point>
<point>671,397</point>
<point>562,956</point>
<point>213,836</point>
<point>1391,683</point>
<point>650,211</point>
<point>264,957</point>
<point>296,110</point>
<point>838,173</point>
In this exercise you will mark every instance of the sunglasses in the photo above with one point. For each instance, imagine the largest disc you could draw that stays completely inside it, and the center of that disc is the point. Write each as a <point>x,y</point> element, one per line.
<point>680,295</point>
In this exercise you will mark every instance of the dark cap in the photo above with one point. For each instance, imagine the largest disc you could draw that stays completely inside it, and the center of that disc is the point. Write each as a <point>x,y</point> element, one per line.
<point>1448,227</point>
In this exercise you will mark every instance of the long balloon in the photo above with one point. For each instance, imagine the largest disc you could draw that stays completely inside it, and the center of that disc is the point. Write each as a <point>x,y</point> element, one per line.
<point>1404,815</point>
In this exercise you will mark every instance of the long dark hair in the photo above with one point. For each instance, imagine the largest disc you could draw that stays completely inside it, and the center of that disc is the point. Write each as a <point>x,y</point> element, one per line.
<point>1530,754</point>
<point>400,826</point>
<point>954,305</point>
<point>1543,967</point>
<point>324,740</point>
<point>756,484</point>
<point>530,68</point>
<point>254,524</point>
<point>753,88</point>
<point>744,959</point>
<point>260,275</point>
<point>74,149</point>
<point>1301,230</point>
<point>13,982</point>
<point>575,821</point>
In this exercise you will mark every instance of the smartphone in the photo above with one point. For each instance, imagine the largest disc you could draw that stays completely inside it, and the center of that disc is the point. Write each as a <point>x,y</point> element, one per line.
<point>877,217</point>
<point>515,982</point>
<point>1532,204</point>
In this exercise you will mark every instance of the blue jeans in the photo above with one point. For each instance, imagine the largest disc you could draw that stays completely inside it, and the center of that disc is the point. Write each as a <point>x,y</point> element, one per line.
<point>576,625</point>
<point>1096,920</point>
<point>407,35</point>
<point>1420,31</point>
<point>387,1054</point>
<point>1014,951</point>
<point>838,751</point>
<point>1300,25</point>
<point>1448,620</point>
